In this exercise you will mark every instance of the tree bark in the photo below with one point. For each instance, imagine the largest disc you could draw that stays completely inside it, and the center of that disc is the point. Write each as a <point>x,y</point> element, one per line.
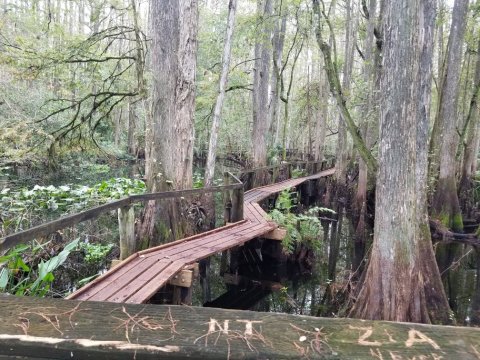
<point>170,134</point>
<point>472,134</point>
<point>278,41</point>
<point>140,63</point>
<point>131,143</point>
<point>285,96</point>
<point>321,114</point>
<point>341,152</point>
<point>369,110</point>
<point>227,50</point>
<point>260,84</point>
<point>445,204</point>
<point>402,264</point>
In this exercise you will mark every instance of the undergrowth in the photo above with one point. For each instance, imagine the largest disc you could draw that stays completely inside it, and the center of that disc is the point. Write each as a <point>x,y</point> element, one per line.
<point>302,228</point>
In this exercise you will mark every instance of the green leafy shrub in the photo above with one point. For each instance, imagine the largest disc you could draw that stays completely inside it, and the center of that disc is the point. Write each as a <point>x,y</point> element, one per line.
<point>95,253</point>
<point>301,228</point>
<point>18,278</point>
<point>297,172</point>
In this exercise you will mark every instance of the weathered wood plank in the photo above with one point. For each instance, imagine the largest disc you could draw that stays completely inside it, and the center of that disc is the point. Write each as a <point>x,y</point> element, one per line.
<point>35,328</point>
<point>128,283</point>
<point>276,234</point>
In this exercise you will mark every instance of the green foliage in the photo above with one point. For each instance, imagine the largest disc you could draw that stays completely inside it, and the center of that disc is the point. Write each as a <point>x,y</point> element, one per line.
<point>297,172</point>
<point>302,228</point>
<point>21,208</point>
<point>95,253</point>
<point>286,201</point>
<point>274,154</point>
<point>18,278</point>
<point>197,179</point>
<point>64,83</point>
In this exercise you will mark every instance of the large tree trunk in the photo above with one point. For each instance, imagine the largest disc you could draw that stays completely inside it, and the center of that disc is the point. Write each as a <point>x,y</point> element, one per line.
<point>341,152</point>
<point>321,115</point>
<point>141,85</point>
<point>402,264</point>
<point>212,147</point>
<point>445,203</point>
<point>369,110</point>
<point>340,190</point>
<point>260,84</point>
<point>278,41</point>
<point>285,95</point>
<point>471,145</point>
<point>169,136</point>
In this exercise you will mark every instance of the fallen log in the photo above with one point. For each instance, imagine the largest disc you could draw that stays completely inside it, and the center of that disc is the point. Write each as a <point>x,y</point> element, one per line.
<point>66,329</point>
<point>440,233</point>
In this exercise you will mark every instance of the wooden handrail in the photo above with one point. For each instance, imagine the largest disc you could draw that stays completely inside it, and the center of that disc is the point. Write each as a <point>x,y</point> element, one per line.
<point>50,227</point>
<point>96,330</point>
<point>69,220</point>
<point>284,164</point>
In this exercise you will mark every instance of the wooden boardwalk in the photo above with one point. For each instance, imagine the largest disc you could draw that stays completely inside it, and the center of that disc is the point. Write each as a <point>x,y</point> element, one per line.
<point>139,277</point>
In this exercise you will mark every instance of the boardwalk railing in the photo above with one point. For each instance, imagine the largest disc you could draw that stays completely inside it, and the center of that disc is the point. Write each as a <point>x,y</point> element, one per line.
<point>271,174</point>
<point>33,328</point>
<point>125,213</point>
<point>232,189</point>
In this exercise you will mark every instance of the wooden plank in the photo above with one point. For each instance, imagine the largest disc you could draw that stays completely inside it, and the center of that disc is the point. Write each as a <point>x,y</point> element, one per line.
<point>113,284</point>
<point>232,237</point>
<point>276,234</point>
<point>121,285</point>
<point>259,213</point>
<point>198,236</point>
<point>183,193</point>
<point>150,288</point>
<point>99,283</point>
<point>184,278</point>
<point>57,329</point>
<point>144,280</point>
<point>201,242</point>
<point>105,290</point>
<point>114,263</point>
<point>237,205</point>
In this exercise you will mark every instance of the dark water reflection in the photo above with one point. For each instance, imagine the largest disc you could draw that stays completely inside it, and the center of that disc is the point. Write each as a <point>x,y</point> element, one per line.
<point>274,282</point>
<point>262,278</point>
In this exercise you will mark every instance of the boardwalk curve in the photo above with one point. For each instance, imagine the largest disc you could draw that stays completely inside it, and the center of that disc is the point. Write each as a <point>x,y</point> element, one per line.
<point>139,277</point>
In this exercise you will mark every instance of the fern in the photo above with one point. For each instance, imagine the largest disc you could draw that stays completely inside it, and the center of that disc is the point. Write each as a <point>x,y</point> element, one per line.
<point>303,228</point>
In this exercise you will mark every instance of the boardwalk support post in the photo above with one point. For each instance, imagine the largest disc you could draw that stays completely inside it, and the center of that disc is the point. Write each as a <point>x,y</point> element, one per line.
<point>126,230</point>
<point>227,203</point>
<point>275,173</point>
<point>237,205</point>
<point>233,200</point>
